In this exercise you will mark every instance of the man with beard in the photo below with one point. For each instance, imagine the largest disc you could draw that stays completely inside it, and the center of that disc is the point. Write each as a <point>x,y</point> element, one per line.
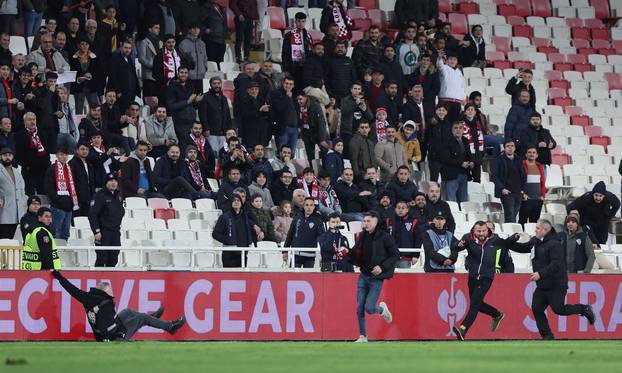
<point>160,132</point>
<point>182,101</point>
<point>170,176</point>
<point>91,123</point>
<point>137,175</point>
<point>314,70</point>
<point>232,182</point>
<point>407,233</point>
<point>84,177</point>
<point>122,76</point>
<point>340,72</point>
<point>205,152</point>
<point>282,189</point>
<point>331,37</point>
<point>401,187</point>
<point>269,80</point>
<point>13,196</point>
<point>420,210</point>
<point>436,204</point>
<point>214,114</point>
<point>391,101</point>
<point>254,115</point>
<point>353,200</point>
<point>367,53</point>
<point>297,46</point>
<point>596,209</point>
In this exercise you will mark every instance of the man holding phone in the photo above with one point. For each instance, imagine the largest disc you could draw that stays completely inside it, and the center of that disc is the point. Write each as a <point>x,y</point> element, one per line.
<point>335,247</point>
<point>522,82</point>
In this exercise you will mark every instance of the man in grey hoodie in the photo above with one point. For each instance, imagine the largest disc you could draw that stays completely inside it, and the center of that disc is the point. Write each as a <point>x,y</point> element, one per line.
<point>194,48</point>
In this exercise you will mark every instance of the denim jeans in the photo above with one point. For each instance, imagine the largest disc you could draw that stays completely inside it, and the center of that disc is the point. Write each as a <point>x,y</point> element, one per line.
<point>290,137</point>
<point>456,189</point>
<point>32,23</point>
<point>494,142</point>
<point>367,292</point>
<point>511,205</point>
<point>61,222</point>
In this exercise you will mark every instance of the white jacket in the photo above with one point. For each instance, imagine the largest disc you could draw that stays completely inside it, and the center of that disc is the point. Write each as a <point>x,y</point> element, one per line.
<point>452,82</point>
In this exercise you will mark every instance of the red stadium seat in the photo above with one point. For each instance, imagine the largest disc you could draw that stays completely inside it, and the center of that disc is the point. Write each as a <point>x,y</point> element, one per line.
<point>617,45</point>
<point>593,131</point>
<point>362,24</point>
<point>541,8</point>
<point>574,22</point>
<point>515,21</point>
<point>560,83</point>
<point>576,58</point>
<point>459,24</point>
<point>375,15</point>
<point>522,65</point>
<point>580,120</point>
<point>607,51</point>
<point>495,56</point>
<point>356,36</point>
<point>524,31</point>
<point>523,8</point>
<point>357,13</point>
<point>553,75</point>
<point>586,51</point>
<point>444,6</point>
<point>593,23</point>
<point>603,141</point>
<point>562,101</point>
<point>277,18</point>
<point>600,44</point>
<point>227,84</point>
<point>468,8</point>
<point>556,58</point>
<point>228,93</point>
<point>502,43</point>
<point>316,35</point>
<point>224,3</point>
<point>560,159</point>
<point>600,33</point>
<point>541,42</point>
<point>165,214</point>
<point>442,17</point>
<point>547,50</point>
<point>580,43</point>
<point>556,93</point>
<point>580,33</point>
<point>602,8</point>
<point>367,4</point>
<point>562,66</point>
<point>614,80</point>
<point>502,65</point>
<point>573,110</point>
<point>582,67</point>
<point>506,10</point>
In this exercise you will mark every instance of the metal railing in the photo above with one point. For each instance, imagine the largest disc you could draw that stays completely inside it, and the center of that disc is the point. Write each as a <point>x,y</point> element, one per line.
<point>10,257</point>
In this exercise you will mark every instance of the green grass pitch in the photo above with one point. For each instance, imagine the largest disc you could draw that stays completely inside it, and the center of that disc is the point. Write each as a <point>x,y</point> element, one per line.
<point>323,357</point>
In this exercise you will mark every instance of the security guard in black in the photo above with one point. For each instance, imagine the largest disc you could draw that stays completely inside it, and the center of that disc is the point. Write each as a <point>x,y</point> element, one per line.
<point>105,218</point>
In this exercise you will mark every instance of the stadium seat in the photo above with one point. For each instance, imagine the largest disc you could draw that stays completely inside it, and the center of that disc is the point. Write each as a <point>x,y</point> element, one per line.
<point>277,18</point>
<point>602,8</point>
<point>506,10</point>
<point>560,159</point>
<point>468,8</point>
<point>174,224</point>
<point>522,30</point>
<point>614,80</point>
<point>582,67</point>
<point>375,16</point>
<point>603,141</point>
<point>165,213</point>
<point>459,23</point>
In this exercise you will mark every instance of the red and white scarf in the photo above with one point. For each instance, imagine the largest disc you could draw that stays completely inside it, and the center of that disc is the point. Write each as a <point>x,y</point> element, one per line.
<point>315,189</point>
<point>64,183</point>
<point>35,142</point>
<point>381,128</point>
<point>200,144</point>
<point>469,136</point>
<point>195,172</point>
<point>171,63</point>
<point>9,94</point>
<point>345,25</point>
<point>329,198</point>
<point>297,43</point>
<point>100,149</point>
<point>304,117</point>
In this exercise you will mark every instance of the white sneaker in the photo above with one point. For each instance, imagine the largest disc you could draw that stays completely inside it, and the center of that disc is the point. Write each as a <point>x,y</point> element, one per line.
<point>386,314</point>
<point>362,339</point>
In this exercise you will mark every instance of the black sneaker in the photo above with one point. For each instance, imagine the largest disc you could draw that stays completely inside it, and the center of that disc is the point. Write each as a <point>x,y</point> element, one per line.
<point>176,325</point>
<point>548,337</point>
<point>496,321</point>
<point>460,333</point>
<point>588,312</point>
<point>158,313</point>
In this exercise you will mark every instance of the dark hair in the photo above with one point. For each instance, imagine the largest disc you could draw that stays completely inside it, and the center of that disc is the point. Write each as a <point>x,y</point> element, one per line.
<point>373,27</point>
<point>168,36</point>
<point>197,122</point>
<point>402,167</point>
<point>183,67</point>
<point>372,214</point>
<point>233,168</point>
<point>256,195</point>
<point>62,149</point>
<point>535,114</point>
<point>323,174</point>
<point>474,94</point>
<point>475,26</point>
<point>285,146</point>
<point>356,82</point>
<point>83,143</point>
<point>161,105</point>
<point>260,173</point>
<point>527,71</point>
<point>508,141</point>
<point>309,199</point>
<point>173,146</point>
<point>232,139</point>
<point>334,215</point>
<point>420,35</point>
<point>43,210</point>
<point>308,170</point>
<point>531,147</point>
<point>142,143</point>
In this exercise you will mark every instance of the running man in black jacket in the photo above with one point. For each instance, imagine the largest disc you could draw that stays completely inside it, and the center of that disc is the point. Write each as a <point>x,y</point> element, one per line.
<point>108,325</point>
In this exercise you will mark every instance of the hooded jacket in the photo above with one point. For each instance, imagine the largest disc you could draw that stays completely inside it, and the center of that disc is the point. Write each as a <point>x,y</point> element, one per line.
<point>517,121</point>
<point>577,246</point>
<point>594,215</point>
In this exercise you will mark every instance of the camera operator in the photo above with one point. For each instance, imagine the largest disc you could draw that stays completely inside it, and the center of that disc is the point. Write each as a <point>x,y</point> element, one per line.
<point>334,247</point>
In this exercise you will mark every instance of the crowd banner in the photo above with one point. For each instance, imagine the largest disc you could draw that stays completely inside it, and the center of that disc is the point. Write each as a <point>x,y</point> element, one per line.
<point>297,306</point>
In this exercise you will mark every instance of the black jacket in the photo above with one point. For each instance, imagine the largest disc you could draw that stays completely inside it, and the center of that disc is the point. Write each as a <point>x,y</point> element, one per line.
<point>166,170</point>
<point>594,215</point>
<point>85,182</point>
<point>283,111</point>
<point>44,105</point>
<point>401,191</point>
<point>57,201</point>
<point>392,70</point>
<point>452,156</point>
<point>122,77</point>
<point>375,249</point>
<point>25,155</point>
<point>471,53</point>
<point>105,323</point>
<point>305,231</point>
<point>93,66</point>
<point>28,222</point>
<point>532,136</point>
<point>313,72</point>
<point>349,197</point>
<point>407,232</point>
<point>280,192</point>
<point>548,260</point>
<point>216,22</point>
<point>418,11</point>
<point>225,192</point>
<point>214,113</point>
<point>286,51</point>
<point>500,172</point>
<point>513,88</point>
<point>340,74</point>
<point>366,56</point>
<point>177,95</point>
<point>330,240</point>
<point>442,206</point>
<point>107,211</point>
<point>209,161</point>
<point>233,229</point>
<point>481,260</point>
<point>437,132</point>
<point>431,86</point>
<point>393,105</point>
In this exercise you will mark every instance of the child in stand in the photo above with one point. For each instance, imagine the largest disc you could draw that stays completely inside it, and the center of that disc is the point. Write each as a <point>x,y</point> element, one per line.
<point>283,217</point>
<point>407,136</point>
<point>381,124</point>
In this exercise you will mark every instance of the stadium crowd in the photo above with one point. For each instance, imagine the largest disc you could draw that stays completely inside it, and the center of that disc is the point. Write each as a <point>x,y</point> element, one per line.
<point>376,127</point>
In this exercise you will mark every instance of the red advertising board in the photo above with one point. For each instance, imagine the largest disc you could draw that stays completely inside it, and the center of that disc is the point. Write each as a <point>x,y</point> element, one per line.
<point>297,306</point>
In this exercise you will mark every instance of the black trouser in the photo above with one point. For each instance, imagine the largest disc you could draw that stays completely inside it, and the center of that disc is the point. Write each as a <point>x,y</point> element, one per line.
<point>133,321</point>
<point>556,299</point>
<point>304,261</point>
<point>215,51</point>
<point>476,173</point>
<point>232,259</point>
<point>511,205</point>
<point>477,292</point>
<point>295,70</point>
<point>530,211</point>
<point>108,258</point>
<point>243,36</point>
<point>34,179</point>
<point>8,231</point>
<point>435,169</point>
<point>179,188</point>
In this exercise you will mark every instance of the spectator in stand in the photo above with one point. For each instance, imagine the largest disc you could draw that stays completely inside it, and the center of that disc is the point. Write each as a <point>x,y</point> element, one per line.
<point>474,54</point>
<point>535,187</point>
<point>22,90</point>
<point>328,203</point>
<point>241,84</point>
<point>474,133</point>
<point>133,125</point>
<point>389,154</point>
<point>60,43</point>
<point>334,247</point>
<point>577,245</point>
<point>105,218</point>
<point>427,77</point>
<point>68,134</point>
<point>340,72</point>
<point>122,76</point>
<point>137,175</point>
<point>312,125</point>
<point>336,12</point>
<point>367,53</point>
<point>234,155</point>
<point>283,109</point>
<point>120,130</point>
<point>391,101</point>
<point>33,15</point>
<point>353,200</point>
<point>73,35</point>
<point>407,137</point>
<point>97,44</point>
<point>354,111</point>
<point>254,115</point>
<point>297,45</point>
<point>147,50</point>
<point>170,176</point>
<point>452,86</point>
<point>362,151</point>
<point>235,228</point>
<point>194,49</point>
<point>166,64</point>
<point>406,232</point>
<point>7,135</point>
<point>436,204</point>
<point>104,160</point>
<point>197,172</point>
<point>269,80</point>
<point>333,161</point>
<point>47,58</point>
<point>305,230</point>
<point>46,105</point>
<point>284,160</point>
<point>375,87</point>
<point>313,71</point>
<point>182,102</point>
<point>596,209</point>
<point>216,31</point>
<point>6,56</point>
<point>420,210</point>
<point>262,217</point>
<point>258,162</point>
<point>509,177</point>
<point>8,103</point>
<point>32,155</point>
<point>232,182</point>
<point>91,123</point>
<point>246,15</point>
<point>490,139</point>
<point>111,32</point>
<point>259,187</point>
<point>18,63</point>
<point>61,190</point>
<point>88,83</point>
<point>401,187</point>
<point>438,242</point>
<point>12,190</point>
<point>518,118</point>
<point>160,132</point>
<point>205,154</point>
<point>372,185</point>
<point>456,163</point>
<point>282,220</point>
<point>540,138</point>
<point>407,51</point>
<point>516,87</point>
<point>84,178</point>
<point>214,114</point>
<point>282,189</point>
<point>158,11</point>
<point>390,66</point>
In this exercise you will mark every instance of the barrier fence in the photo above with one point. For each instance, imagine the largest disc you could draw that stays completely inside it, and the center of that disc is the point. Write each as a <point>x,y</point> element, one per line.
<point>297,306</point>
<point>10,257</point>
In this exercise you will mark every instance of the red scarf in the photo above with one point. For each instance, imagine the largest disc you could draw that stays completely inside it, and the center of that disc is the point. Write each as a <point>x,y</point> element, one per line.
<point>304,117</point>
<point>326,197</point>
<point>195,172</point>
<point>100,149</point>
<point>298,48</point>
<point>35,142</point>
<point>200,143</point>
<point>345,25</point>
<point>381,128</point>
<point>64,183</point>
<point>469,136</point>
<point>171,62</point>
<point>9,95</point>
<point>315,189</point>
